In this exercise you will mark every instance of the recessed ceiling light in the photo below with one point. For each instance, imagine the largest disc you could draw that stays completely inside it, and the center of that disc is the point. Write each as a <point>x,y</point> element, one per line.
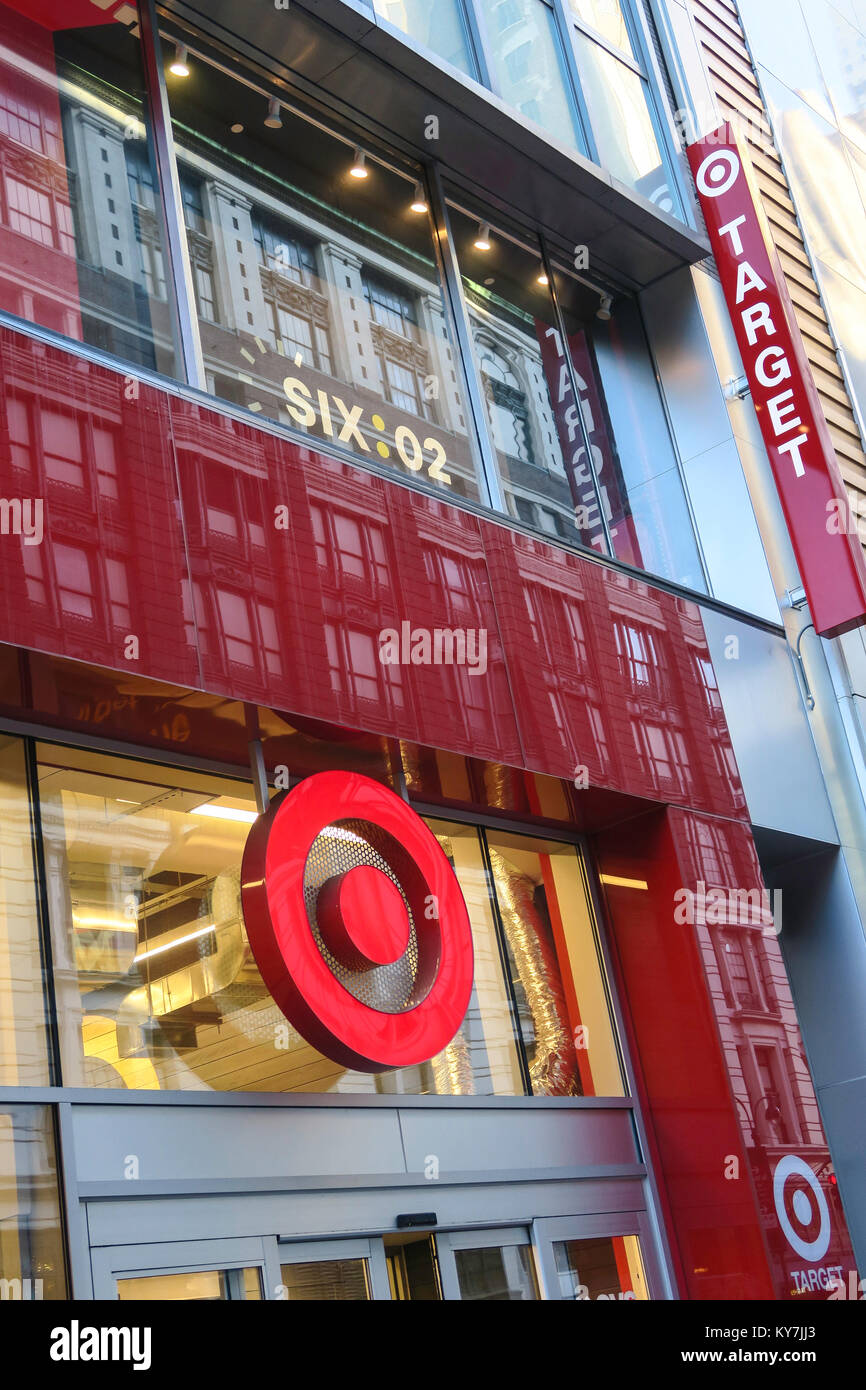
<point>237,128</point>
<point>419,202</point>
<point>359,168</point>
<point>482,241</point>
<point>170,945</point>
<point>490,280</point>
<point>180,67</point>
<point>207,808</point>
<point>273,120</point>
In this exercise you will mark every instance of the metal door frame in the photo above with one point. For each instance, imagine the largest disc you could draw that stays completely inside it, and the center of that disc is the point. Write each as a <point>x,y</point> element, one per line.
<point>467,1238</point>
<point>112,1262</point>
<point>546,1230</point>
<point>369,1248</point>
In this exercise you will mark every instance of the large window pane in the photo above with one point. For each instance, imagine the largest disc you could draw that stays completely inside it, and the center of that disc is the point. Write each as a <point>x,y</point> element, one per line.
<point>543,469</point>
<point>643,493</point>
<point>438,26</point>
<point>618,103</point>
<point>157,986</point>
<point>80,241</point>
<point>158,990</point>
<point>23,1032</point>
<point>318,293</point>
<point>607,18</point>
<point>556,972</point>
<point>31,1240</point>
<point>528,65</point>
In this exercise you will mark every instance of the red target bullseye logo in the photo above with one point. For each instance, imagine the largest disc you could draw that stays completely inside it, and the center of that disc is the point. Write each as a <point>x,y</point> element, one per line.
<point>357,923</point>
<point>801,1208</point>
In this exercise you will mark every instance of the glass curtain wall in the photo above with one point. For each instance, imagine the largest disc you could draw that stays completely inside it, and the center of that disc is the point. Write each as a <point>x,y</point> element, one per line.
<point>537,73</point>
<point>583,451</point>
<point>319,297</point>
<point>619,98</point>
<point>528,64</point>
<point>157,988</point>
<point>440,26</point>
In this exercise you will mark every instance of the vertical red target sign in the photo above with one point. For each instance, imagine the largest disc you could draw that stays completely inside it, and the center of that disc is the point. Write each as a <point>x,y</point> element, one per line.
<point>828,550</point>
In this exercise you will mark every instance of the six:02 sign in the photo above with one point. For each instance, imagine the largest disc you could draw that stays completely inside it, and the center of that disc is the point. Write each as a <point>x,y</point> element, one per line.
<point>343,422</point>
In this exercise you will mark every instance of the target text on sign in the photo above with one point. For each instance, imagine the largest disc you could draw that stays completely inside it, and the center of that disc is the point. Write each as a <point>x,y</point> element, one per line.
<point>789,412</point>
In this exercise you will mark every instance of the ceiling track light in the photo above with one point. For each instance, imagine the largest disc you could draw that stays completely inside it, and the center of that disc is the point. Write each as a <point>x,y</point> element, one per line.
<point>482,241</point>
<point>543,277</point>
<point>359,168</point>
<point>180,66</point>
<point>273,120</point>
<point>419,202</point>
<point>603,310</point>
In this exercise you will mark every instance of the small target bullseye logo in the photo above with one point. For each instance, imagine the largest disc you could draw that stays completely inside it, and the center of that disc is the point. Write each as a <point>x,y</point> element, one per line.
<point>717,173</point>
<point>357,923</point>
<point>801,1207</point>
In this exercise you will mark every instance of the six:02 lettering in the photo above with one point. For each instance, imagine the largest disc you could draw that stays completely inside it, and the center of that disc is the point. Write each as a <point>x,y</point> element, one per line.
<point>343,423</point>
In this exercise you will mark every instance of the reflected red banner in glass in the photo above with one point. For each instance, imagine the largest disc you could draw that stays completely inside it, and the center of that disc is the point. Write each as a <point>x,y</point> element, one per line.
<point>604,461</point>
<point>829,554</point>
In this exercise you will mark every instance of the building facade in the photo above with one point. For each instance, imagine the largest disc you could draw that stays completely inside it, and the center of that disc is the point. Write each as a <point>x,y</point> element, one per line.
<point>364,413</point>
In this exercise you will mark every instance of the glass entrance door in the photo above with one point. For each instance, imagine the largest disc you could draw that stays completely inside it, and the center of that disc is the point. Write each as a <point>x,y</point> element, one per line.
<point>206,1271</point>
<point>489,1266</point>
<point>336,1271</point>
<point>574,1258</point>
<point>595,1257</point>
<point>413,1267</point>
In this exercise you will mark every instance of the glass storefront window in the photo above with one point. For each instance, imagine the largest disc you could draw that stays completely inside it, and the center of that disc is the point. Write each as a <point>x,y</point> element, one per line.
<point>31,1241</point>
<point>541,461</point>
<point>318,292</point>
<point>556,973</point>
<point>438,26</point>
<point>80,224</point>
<point>634,460</point>
<point>528,67</point>
<point>604,1267</point>
<point>23,1029</point>
<point>631,479</point>
<point>157,988</point>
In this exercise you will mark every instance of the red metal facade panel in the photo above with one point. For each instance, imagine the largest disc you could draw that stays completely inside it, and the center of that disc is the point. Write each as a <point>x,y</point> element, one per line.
<point>733,1115</point>
<point>300,563</point>
<point>91,536</point>
<point>611,676</point>
<point>274,574</point>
